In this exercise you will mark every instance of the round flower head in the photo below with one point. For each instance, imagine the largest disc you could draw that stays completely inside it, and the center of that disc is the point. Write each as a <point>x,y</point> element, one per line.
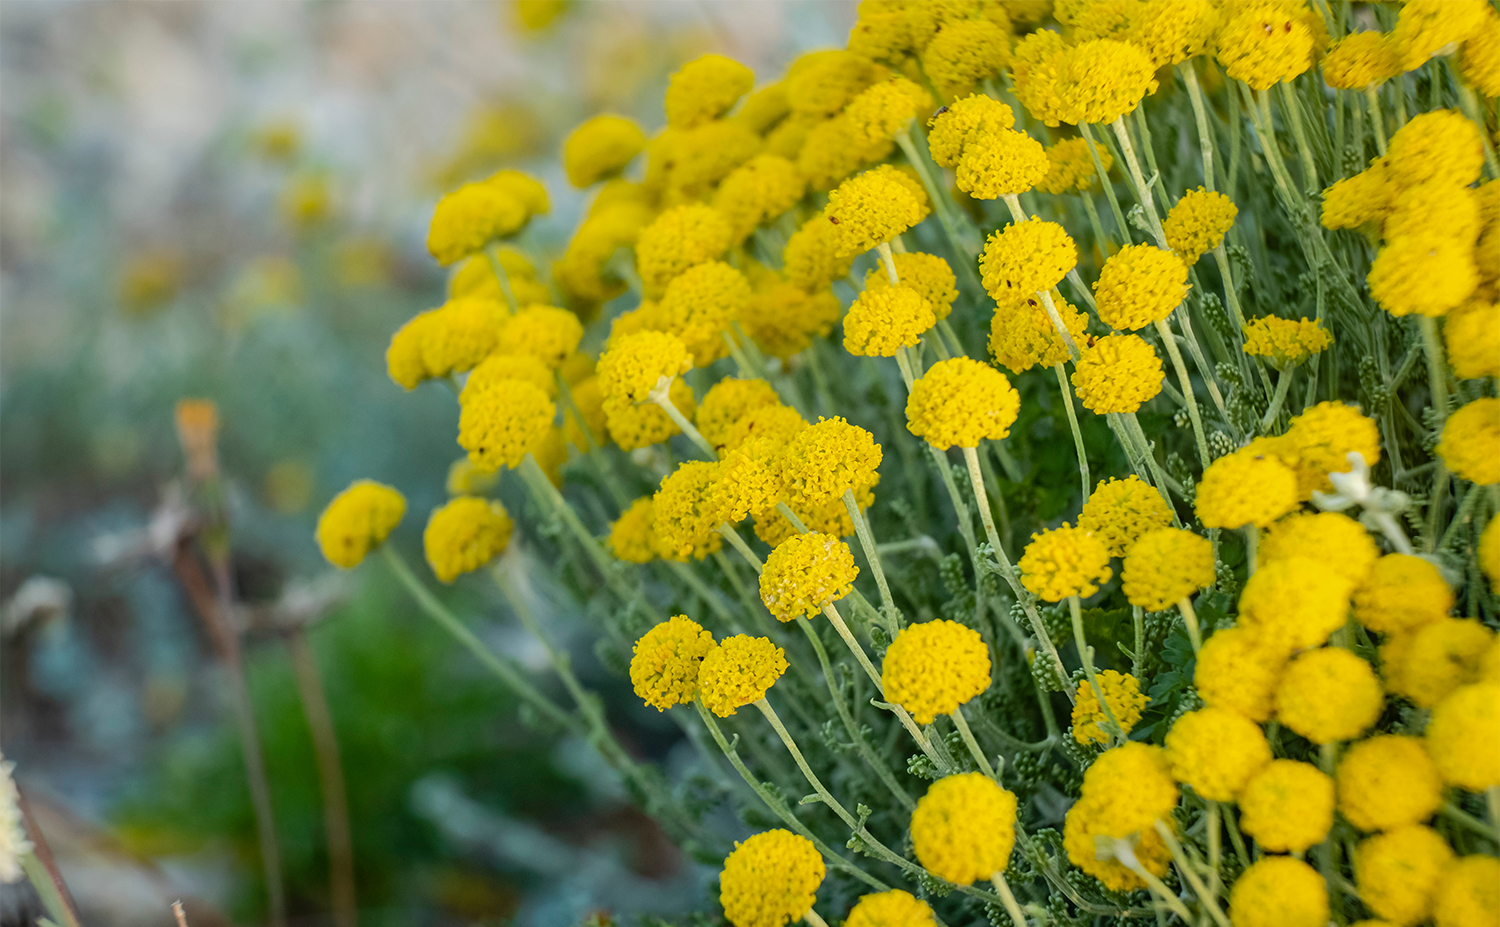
<point>960,122</point>
<point>822,83</point>
<point>1461,736</point>
<point>1001,162</point>
<point>805,573</point>
<point>631,366</point>
<point>1245,488</point>
<point>1479,59</point>
<point>1120,511</point>
<point>1426,27</point>
<point>688,512</point>
<point>581,272</point>
<point>1402,593</point>
<point>1198,223</point>
<point>664,667</point>
<point>783,319</point>
<point>1237,672</point>
<point>1138,285</point>
<point>1294,603</point>
<point>1064,562</point>
<point>964,828</point>
<point>464,535</point>
<point>1397,872</point>
<point>1279,891</point>
<point>831,151</point>
<point>1471,333</point>
<point>460,334</point>
<point>928,274</point>
<point>1489,551</point>
<point>1125,792</point>
<point>1339,542</point>
<point>1468,893</point>
<point>1070,167</point>
<point>679,238</point>
<point>530,192</point>
<point>1264,42</point>
<point>499,423</point>
<point>700,303</point>
<point>403,358</point>
<point>1323,437</point>
<point>933,667</point>
<point>811,258</point>
<point>894,908</point>
<point>465,479</point>
<point>778,423</point>
<point>588,398</point>
<point>1172,31</point>
<point>1423,275</point>
<point>1216,752</point>
<point>825,460</point>
<point>1368,196</point>
<point>1026,258</point>
<point>771,879</point>
<point>1117,373</point>
<point>1328,695</point>
<point>1437,207</point>
<point>1285,342</point>
<point>883,110</point>
<point>547,333</point>
<point>871,209</point>
<point>705,88</point>
<point>1388,781</point>
<point>881,322</point>
<point>1426,664</point>
<point>738,671</point>
<point>1122,693</point>
<point>471,217</point>
<point>633,536</point>
<point>756,192</point>
<point>1288,806</point>
<point>728,401</point>
<point>1023,335</point>
<point>599,148</point>
<point>357,521</point>
<point>1036,65</point>
<point>701,157</point>
<point>499,367</point>
<point>961,402</point>
<point>1470,446</point>
<point>965,51</point>
<point>1166,565</point>
<point>1360,60</point>
<point>1098,82</point>
<point>765,108</point>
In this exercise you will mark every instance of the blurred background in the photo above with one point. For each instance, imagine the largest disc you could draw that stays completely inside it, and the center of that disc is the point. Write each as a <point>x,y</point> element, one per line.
<point>228,201</point>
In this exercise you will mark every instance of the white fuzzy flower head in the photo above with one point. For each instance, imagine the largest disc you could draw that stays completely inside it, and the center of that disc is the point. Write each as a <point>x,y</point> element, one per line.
<point>13,842</point>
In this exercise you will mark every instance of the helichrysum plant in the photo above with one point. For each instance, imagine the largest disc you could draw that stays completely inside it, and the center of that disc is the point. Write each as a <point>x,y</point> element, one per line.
<point>1070,426</point>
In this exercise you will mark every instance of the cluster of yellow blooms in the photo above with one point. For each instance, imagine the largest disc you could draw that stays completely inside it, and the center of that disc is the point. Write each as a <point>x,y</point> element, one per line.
<point>1342,691</point>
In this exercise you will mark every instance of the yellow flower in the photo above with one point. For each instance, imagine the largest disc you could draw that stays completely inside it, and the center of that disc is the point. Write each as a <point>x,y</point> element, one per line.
<point>1138,285</point>
<point>1117,373</point>
<point>1095,19</point>
<point>1264,42</point>
<point>1294,603</point>
<point>894,908</point>
<point>824,461</point>
<point>1388,781</point>
<point>961,401</point>
<point>1489,551</point>
<point>1423,275</point>
<point>756,192</point>
<point>357,521</point>
<point>881,322</point>
<point>464,535</point>
<point>1397,872</point>
<point>403,359</point>
<point>1164,565</point>
<point>1368,196</point>
<point>1435,209</point>
<point>700,303</point>
<point>739,671</point>
<point>964,52</point>
<point>588,397</point>
<point>1198,223</point>
<point>1125,792</point>
<point>1122,693</point>
<point>783,319</point>
<point>544,332</point>
<point>1279,891</point>
<point>678,239</point>
<point>1479,58</point>
<point>1026,258</point>
<point>1119,512</point>
<point>688,512</point>
<point>1064,562</point>
<point>882,111</point>
<point>1468,893</point>
<point>728,401</point>
<point>1001,162</point>
<point>1245,488</point>
<point>1426,27</point>
<point>928,274</point>
<point>1288,806</point>
<point>666,660</point>
<point>1360,60</point>
<point>1036,64</point>
<point>779,423</point>
<point>703,156</point>
<point>1022,334</point>
<point>811,258</point>
<point>1285,342</point>
<point>1462,728</point>
<point>764,109</point>
<point>1096,82</point>
<point>1443,145</point>
<point>704,89</point>
<point>1070,166</point>
<point>822,83</point>
<point>633,536</point>
<point>465,479</point>
<point>831,151</point>
<point>955,125</point>
<point>476,277</point>
<point>599,148</point>
<point>934,667</point>
<point>1402,593</point>
<point>471,217</point>
<point>1321,439</point>
<point>498,423</point>
<point>580,273</point>
<point>1339,542</point>
<point>1470,446</point>
<point>632,366</point>
<point>1471,333</point>
<point>964,828</point>
<point>1426,664</point>
<point>1172,31</point>
<point>1328,695</point>
<point>1216,752</point>
<point>450,339</point>
<point>747,480</point>
<point>1237,672</point>
<point>770,879</point>
<point>872,209</point>
<point>805,573</point>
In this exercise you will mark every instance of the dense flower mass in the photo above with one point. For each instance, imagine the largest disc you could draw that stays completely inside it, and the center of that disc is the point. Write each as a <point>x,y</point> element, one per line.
<point>464,535</point>
<point>770,879</point>
<point>1117,373</point>
<point>934,667</point>
<point>961,401</point>
<point>1064,562</point>
<point>806,573</point>
<point>357,521</point>
<point>666,661</point>
<point>963,829</point>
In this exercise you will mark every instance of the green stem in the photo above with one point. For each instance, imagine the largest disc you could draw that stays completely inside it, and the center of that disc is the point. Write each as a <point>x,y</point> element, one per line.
<point>1083,458</point>
<point>1086,654</point>
<point>1252,541</point>
<point>889,612</point>
<point>968,737</point>
<point>889,260</point>
<point>1125,854</point>
<point>1191,401</point>
<point>1109,188</point>
<point>728,532</point>
<point>659,396</point>
<point>1437,366</point>
<point>1009,898</point>
<point>52,898</point>
<point>1377,121</point>
<point>1142,189</point>
<point>1190,618</point>
<point>1200,115</point>
<point>1283,386</point>
<point>1205,897</point>
<point>501,277</point>
<point>1299,132</point>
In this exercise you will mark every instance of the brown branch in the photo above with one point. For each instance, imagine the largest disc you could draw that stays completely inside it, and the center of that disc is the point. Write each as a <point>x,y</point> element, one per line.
<point>44,855</point>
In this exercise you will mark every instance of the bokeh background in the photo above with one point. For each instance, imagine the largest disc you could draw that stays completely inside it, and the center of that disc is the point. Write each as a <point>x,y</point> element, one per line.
<point>228,201</point>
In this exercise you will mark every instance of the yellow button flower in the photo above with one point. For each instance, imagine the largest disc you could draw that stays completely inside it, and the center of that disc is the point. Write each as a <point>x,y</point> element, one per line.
<point>1294,603</point>
<point>357,521</point>
<point>699,305</point>
<point>666,661</point>
<point>1426,27</point>
<point>632,537</point>
<point>464,535</point>
<point>1166,565</point>
<point>804,573</point>
<point>471,217</point>
<point>1337,541</point>
<point>1279,891</point>
<point>757,192</point>
<point>881,322</point>
<point>1236,671</point>
<point>824,461</point>
<point>547,333</point>
<point>1426,664</point>
<point>1064,562</point>
<point>1198,223</point>
<point>1023,335</point>
<point>1026,258</point>
<point>704,89</point>
<point>1248,487</point>
<point>1360,60</point>
<point>1329,695</point>
<point>770,880</point>
<point>1122,693</point>
<point>1071,168</point>
<point>1117,373</point>
<point>1119,512</point>
<point>1468,893</point>
<point>1216,752</point>
<point>1263,42</point>
<point>737,672</point>
<point>964,828</point>
<point>894,908</point>
<point>1001,162</point>
<point>956,124</point>
<point>1401,593</point>
<point>688,512</point>
<point>1388,781</point>
<point>678,239</point>
<point>811,258</point>
<point>961,402</point>
<point>1467,717</point>
<point>1470,446</point>
<point>933,667</point>
<point>928,274</point>
<point>600,147</point>
<point>728,401</point>
<point>1288,806</point>
<point>963,52</point>
<point>1397,872</point>
<point>1471,333</point>
<point>1286,342</point>
<point>631,367</point>
<point>871,209</point>
<point>1321,439</point>
<point>1138,285</point>
<point>883,110</point>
